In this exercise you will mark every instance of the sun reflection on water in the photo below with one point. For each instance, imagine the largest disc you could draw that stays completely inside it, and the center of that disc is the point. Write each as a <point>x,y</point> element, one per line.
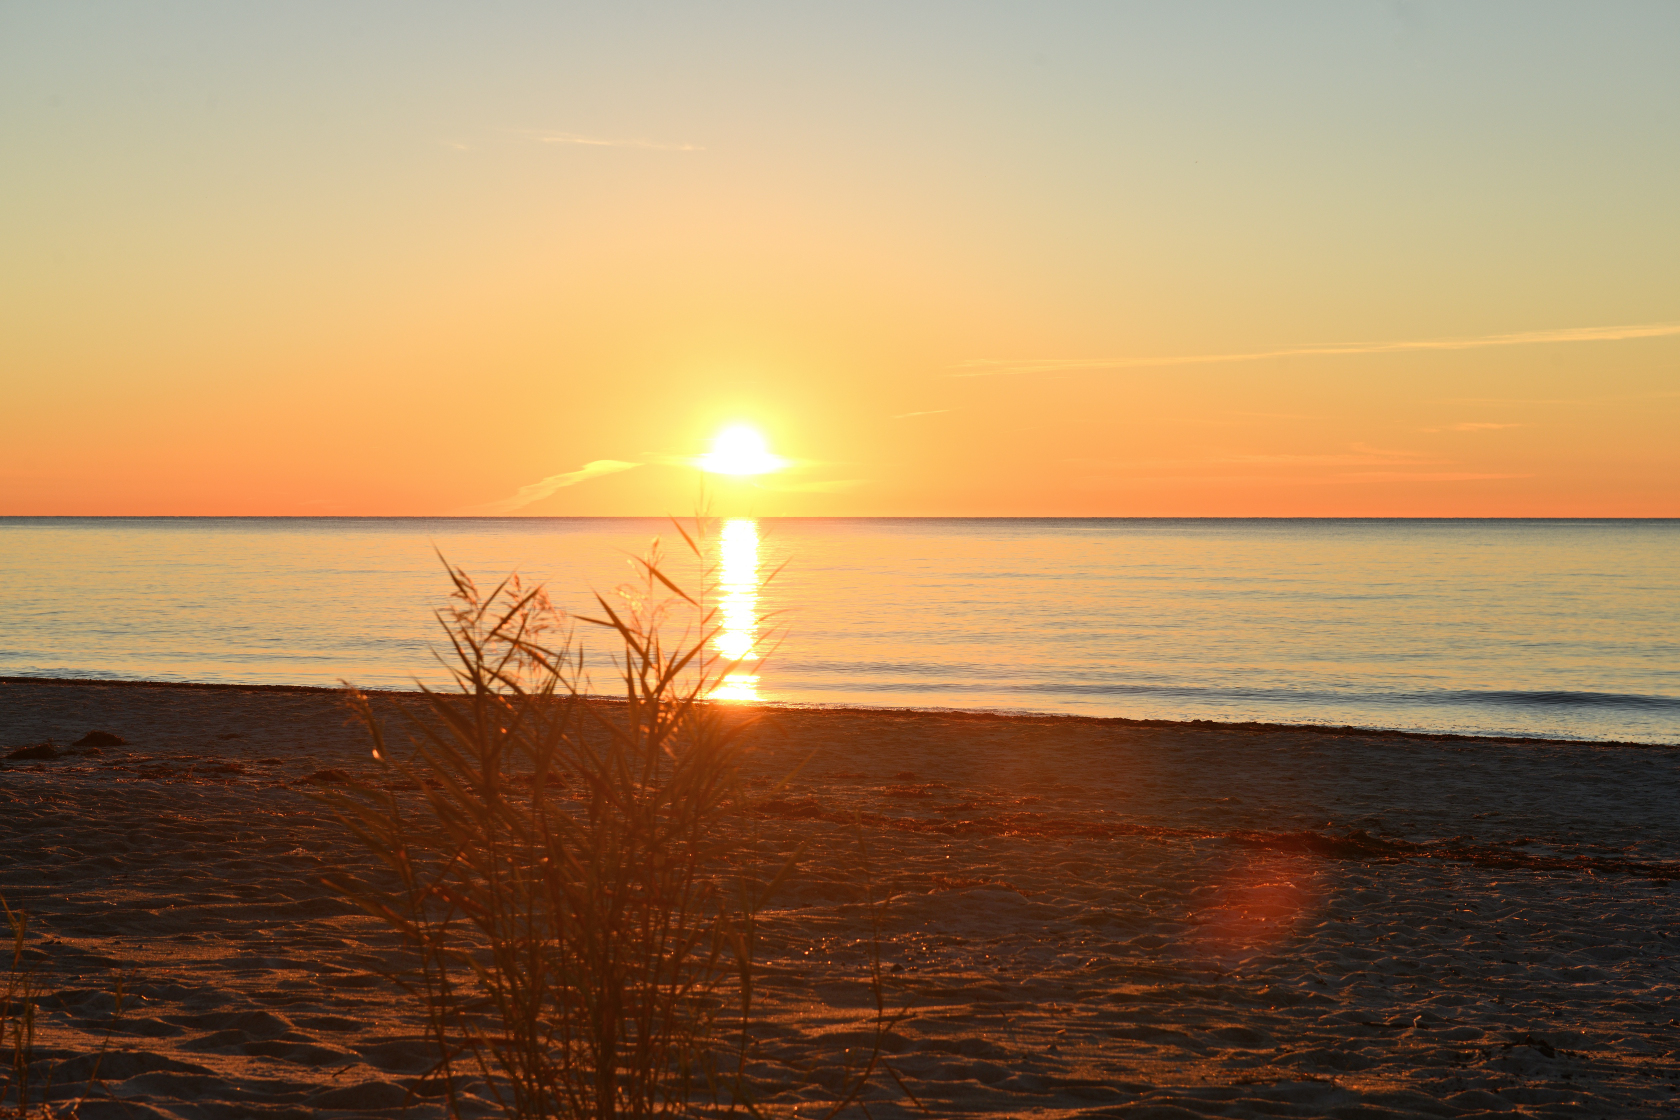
<point>737,633</point>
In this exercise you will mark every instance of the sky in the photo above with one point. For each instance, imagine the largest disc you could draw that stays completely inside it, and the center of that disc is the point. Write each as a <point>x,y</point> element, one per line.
<point>965,259</point>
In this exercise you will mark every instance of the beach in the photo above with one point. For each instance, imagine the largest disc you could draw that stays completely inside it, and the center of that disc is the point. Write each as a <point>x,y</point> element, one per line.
<point>1078,917</point>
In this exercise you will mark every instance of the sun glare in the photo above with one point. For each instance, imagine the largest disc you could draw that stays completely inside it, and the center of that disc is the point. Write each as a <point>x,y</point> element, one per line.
<point>737,632</point>
<point>740,450</point>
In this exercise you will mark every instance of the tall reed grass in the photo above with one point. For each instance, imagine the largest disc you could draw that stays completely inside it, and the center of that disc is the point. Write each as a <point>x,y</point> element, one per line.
<point>17,1014</point>
<point>25,1089</point>
<point>563,865</point>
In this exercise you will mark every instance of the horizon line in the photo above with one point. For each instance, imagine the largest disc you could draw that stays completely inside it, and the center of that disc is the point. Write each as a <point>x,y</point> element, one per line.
<point>827,517</point>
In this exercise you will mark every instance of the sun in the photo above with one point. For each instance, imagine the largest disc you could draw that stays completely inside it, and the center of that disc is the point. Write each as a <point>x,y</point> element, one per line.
<point>740,450</point>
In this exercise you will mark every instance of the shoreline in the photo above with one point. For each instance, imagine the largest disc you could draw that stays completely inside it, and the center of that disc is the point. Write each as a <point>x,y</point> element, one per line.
<point>1253,726</point>
<point>665,518</point>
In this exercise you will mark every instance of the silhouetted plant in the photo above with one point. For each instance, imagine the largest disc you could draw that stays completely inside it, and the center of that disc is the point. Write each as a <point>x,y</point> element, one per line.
<point>562,862</point>
<point>17,1013</point>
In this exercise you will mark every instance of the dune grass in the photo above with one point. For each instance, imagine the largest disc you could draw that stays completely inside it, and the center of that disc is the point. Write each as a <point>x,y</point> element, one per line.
<point>17,1014</point>
<point>564,866</point>
<point>25,1089</point>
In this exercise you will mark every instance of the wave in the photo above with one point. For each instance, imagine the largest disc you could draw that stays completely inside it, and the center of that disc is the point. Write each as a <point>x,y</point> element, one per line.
<point>1554,699</point>
<point>1549,699</point>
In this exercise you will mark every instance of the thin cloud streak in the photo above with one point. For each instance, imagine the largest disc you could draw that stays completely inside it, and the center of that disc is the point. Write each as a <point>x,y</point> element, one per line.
<point>929,412</point>
<point>1621,399</point>
<point>1277,415</point>
<point>600,142</point>
<point>1407,476</point>
<point>1257,481</point>
<point>537,491</point>
<point>1357,455</point>
<point>996,367</point>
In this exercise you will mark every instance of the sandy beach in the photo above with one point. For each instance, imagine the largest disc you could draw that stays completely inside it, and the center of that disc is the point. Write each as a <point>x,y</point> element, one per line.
<point>1084,917</point>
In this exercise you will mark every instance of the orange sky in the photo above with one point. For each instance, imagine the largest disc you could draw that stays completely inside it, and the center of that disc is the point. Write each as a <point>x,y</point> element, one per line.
<point>1074,259</point>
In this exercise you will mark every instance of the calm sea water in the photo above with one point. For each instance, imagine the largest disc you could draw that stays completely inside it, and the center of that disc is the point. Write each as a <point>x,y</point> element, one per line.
<point>1559,628</point>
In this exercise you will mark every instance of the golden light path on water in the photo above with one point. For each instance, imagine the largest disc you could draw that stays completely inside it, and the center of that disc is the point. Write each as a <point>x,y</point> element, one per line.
<point>737,634</point>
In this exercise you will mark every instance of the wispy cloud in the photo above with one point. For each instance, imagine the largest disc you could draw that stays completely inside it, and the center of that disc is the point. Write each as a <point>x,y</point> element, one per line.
<point>1277,415</point>
<point>1357,455</point>
<point>995,367</point>
<point>1418,476</point>
<point>537,491</point>
<point>929,412</point>
<point>1470,427</point>
<point>607,142</point>
<point>700,461</point>
<point>1343,478</point>
<point>1622,398</point>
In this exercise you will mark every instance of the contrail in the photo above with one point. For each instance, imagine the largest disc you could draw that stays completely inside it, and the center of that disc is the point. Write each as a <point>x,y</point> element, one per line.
<point>599,142</point>
<point>994,367</point>
<point>537,491</point>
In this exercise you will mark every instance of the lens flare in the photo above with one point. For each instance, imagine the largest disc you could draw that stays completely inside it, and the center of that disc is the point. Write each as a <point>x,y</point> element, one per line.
<point>1257,904</point>
<point>740,450</point>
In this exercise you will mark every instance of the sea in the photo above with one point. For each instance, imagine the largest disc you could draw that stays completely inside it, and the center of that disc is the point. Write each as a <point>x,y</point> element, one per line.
<point>1544,628</point>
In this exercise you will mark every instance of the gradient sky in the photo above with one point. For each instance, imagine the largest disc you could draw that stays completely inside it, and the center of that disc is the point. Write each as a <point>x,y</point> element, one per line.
<point>1243,259</point>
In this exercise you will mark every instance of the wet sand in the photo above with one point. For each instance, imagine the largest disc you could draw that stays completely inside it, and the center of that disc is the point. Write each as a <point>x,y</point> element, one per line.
<point>1083,917</point>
